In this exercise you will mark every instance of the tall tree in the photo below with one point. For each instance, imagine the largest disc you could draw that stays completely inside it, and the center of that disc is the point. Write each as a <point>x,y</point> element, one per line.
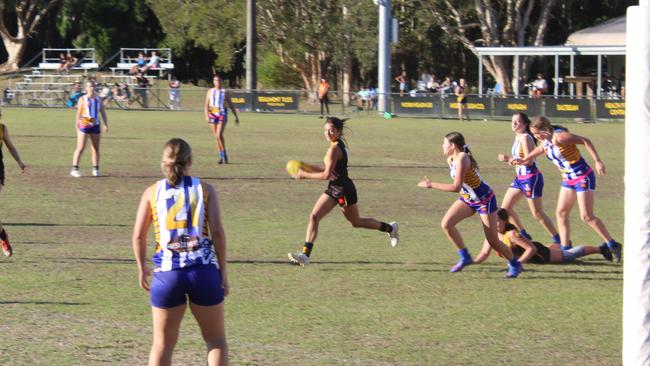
<point>494,23</point>
<point>214,25</point>
<point>318,38</point>
<point>27,15</point>
<point>108,25</point>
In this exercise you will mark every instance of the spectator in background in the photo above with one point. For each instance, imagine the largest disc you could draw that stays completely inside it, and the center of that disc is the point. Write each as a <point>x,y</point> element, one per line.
<point>363,99</point>
<point>402,79</point>
<point>540,86</point>
<point>445,86</point>
<point>372,95</point>
<point>432,84</point>
<point>154,62</point>
<point>63,60</point>
<point>140,63</point>
<point>75,94</point>
<point>323,90</point>
<point>8,95</point>
<point>141,90</point>
<point>174,94</point>
<point>70,62</point>
<point>118,93</point>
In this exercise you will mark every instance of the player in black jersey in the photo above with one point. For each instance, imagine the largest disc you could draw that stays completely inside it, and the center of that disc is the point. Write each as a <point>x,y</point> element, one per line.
<point>340,190</point>
<point>534,252</point>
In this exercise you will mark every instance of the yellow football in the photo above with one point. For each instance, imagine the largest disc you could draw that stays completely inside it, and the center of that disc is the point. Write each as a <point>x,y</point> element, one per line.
<point>294,165</point>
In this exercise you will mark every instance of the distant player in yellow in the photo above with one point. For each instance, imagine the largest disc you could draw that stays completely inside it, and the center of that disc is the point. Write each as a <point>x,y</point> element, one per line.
<point>217,102</point>
<point>6,140</point>
<point>340,190</point>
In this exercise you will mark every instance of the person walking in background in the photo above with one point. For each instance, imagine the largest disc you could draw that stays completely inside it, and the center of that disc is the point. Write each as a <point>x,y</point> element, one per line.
<point>403,81</point>
<point>189,258</point>
<point>461,99</point>
<point>217,102</point>
<point>578,178</point>
<point>528,182</point>
<point>340,190</point>
<point>174,94</point>
<point>475,196</point>
<point>323,97</point>
<point>88,123</point>
<point>6,140</point>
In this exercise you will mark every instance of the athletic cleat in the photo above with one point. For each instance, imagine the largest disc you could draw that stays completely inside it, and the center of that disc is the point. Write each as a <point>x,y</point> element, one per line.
<point>220,161</point>
<point>394,235</point>
<point>96,173</point>
<point>299,258</point>
<point>607,254</point>
<point>514,271</point>
<point>617,249</point>
<point>461,264</point>
<point>6,247</point>
<point>75,173</point>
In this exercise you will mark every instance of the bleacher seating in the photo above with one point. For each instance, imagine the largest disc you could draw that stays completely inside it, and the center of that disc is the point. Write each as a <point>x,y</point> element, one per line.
<point>129,55</point>
<point>50,60</point>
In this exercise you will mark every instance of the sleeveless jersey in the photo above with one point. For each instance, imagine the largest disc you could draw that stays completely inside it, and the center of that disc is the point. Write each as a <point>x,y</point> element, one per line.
<point>90,111</point>
<point>542,254</point>
<point>518,152</point>
<point>180,224</point>
<point>216,102</point>
<point>341,169</point>
<point>567,158</point>
<point>474,189</point>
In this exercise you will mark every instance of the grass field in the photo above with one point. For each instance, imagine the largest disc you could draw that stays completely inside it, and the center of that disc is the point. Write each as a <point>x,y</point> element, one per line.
<point>70,294</point>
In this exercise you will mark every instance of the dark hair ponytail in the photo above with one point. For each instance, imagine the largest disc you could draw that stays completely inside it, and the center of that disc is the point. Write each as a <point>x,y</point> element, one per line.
<point>526,121</point>
<point>458,139</point>
<point>339,124</point>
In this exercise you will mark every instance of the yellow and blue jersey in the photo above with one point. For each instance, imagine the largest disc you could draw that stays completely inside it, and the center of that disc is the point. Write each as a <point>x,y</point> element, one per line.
<point>90,108</point>
<point>518,152</point>
<point>216,102</point>
<point>474,189</point>
<point>567,158</point>
<point>180,225</point>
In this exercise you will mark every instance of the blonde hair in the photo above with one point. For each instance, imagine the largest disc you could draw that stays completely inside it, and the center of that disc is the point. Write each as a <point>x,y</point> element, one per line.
<point>544,124</point>
<point>176,156</point>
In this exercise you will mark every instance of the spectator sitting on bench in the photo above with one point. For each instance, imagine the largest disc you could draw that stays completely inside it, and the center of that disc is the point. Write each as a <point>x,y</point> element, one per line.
<point>63,60</point>
<point>140,63</point>
<point>70,62</point>
<point>119,94</point>
<point>154,62</point>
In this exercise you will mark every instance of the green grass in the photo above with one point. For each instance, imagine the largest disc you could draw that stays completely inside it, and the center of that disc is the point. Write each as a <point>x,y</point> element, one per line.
<point>70,294</point>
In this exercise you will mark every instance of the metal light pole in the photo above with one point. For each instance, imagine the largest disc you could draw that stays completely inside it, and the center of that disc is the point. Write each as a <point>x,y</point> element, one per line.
<point>384,61</point>
<point>251,44</point>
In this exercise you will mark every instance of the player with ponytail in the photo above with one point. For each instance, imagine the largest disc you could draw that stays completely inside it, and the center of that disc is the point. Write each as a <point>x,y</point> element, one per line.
<point>475,196</point>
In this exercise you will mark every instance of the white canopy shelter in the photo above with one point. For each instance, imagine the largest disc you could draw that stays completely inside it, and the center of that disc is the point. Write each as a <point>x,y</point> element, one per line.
<point>609,33</point>
<point>556,52</point>
<point>604,39</point>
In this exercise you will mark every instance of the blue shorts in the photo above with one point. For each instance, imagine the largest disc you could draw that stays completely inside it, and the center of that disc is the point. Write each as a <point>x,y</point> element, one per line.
<point>93,129</point>
<point>222,118</point>
<point>201,283</point>
<point>585,183</point>
<point>483,207</point>
<point>531,184</point>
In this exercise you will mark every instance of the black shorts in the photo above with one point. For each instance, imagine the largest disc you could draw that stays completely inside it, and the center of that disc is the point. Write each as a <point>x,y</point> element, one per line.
<point>543,255</point>
<point>343,191</point>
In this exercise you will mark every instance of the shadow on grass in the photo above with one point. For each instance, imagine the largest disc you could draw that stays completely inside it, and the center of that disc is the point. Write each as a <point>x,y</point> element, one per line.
<point>9,302</point>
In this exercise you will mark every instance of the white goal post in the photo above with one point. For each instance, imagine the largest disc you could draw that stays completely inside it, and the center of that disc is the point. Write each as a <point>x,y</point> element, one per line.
<point>636,270</point>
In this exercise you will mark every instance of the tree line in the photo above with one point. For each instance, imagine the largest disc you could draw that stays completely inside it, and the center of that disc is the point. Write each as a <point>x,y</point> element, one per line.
<point>300,41</point>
